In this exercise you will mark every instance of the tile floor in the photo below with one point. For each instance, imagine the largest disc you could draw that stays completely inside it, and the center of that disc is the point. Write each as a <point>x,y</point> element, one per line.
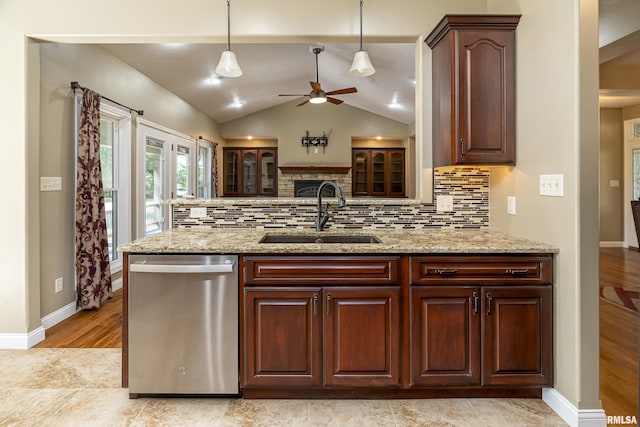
<point>81,387</point>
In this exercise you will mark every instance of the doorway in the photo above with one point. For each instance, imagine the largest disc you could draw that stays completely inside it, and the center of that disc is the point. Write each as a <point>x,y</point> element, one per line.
<point>631,178</point>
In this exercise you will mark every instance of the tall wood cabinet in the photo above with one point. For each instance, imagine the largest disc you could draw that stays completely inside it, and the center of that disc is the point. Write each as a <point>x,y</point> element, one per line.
<point>473,65</point>
<point>378,172</point>
<point>250,172</point>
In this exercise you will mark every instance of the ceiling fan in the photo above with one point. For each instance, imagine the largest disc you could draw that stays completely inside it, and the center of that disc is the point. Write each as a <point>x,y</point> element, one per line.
<point>317,95</point>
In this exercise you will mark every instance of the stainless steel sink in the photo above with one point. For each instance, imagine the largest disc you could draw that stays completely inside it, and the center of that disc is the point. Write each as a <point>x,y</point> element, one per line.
<point>302,238</point>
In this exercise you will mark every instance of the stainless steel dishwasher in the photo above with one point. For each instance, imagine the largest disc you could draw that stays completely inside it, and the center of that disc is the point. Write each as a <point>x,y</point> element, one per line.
<point>183,324</point>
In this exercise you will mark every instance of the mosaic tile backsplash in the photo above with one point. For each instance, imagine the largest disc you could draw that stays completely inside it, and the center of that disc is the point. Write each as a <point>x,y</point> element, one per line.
<point>468,186</point>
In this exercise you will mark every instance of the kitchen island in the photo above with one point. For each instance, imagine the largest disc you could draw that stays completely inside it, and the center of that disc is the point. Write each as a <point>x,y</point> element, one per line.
<point>420,313</point>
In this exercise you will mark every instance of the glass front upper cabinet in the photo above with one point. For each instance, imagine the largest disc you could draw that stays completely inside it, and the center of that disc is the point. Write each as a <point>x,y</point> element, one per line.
<point>250,172</point>
<point>378,172</point>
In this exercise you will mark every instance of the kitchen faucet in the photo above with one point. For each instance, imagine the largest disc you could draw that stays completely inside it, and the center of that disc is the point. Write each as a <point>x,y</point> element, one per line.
<point>323,214</point>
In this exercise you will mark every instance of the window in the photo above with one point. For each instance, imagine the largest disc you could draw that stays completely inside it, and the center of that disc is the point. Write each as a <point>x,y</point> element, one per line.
<point>203,172</point>
<point>115,158</point>
<point>166,170</point>
<point>154,185</point>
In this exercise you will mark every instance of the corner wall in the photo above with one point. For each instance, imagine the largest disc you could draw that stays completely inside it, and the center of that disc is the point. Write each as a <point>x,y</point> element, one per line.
<point>557,133</point>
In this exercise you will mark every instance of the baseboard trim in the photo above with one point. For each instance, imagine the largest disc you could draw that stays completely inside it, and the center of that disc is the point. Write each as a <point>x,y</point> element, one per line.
<point>611,244</point>
<point>570,414</point>
<point>20,341</point>
<point>69,310</point>
<point>59,315</point>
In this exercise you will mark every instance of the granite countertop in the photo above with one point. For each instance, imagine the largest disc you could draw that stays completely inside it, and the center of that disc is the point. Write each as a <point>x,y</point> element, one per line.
<point>246,240</point>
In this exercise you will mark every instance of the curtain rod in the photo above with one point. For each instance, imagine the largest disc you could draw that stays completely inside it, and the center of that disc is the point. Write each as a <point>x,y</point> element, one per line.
<point>207,140</point>
<point>76,85</point>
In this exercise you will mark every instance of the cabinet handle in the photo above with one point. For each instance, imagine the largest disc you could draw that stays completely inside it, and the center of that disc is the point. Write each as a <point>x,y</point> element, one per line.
<point>328,304</point>
<point>489,304</point>
<point>517,272</point>
<point>476,303</point>
<point>461,147</point>
<point>315,304</point>
<point>446,272</point>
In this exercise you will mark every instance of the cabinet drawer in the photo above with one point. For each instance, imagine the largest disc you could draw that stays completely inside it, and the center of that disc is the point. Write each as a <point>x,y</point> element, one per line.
<point>348,270</point>
<point>485,269</point>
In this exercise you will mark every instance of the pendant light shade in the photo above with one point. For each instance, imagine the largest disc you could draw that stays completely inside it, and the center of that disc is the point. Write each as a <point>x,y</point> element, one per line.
<point>228,65</point>
<point>361,66</point>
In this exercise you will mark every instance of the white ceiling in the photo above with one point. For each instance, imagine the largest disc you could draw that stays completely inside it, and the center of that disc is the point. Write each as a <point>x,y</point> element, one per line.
<point>187,70</point>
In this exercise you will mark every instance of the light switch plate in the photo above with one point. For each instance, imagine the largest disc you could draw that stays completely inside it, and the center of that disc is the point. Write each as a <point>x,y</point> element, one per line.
<point>511,205</point>
<point>444,203</point>
<point>198,213</point>
<point>50,183</point>
<point>552,185</point>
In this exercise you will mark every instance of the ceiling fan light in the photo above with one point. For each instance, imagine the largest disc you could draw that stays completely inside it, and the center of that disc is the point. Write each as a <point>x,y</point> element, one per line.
<point>361,66</point>
<point>318,99</point>
<point>228,65</point>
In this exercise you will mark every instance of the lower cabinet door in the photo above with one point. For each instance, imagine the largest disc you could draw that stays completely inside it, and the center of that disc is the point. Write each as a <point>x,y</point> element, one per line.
<point>282,332</point>
<point>518,335</point>
<point>362,336</point>
<point>445,335</point>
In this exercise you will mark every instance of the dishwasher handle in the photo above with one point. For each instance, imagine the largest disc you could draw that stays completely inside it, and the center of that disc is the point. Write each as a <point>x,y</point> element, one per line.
<point>182,268</point>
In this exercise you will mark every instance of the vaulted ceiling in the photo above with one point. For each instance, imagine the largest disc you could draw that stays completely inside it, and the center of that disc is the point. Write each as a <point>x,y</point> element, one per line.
<point>187,70</point>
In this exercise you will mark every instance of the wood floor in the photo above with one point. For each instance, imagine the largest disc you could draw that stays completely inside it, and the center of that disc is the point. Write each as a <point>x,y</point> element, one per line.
<point>89,329</point>
<point>619,333</point>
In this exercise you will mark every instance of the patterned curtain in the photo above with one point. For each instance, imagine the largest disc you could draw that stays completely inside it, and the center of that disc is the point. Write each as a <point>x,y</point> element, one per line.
<point>92,248</point>
<point>214,170</point>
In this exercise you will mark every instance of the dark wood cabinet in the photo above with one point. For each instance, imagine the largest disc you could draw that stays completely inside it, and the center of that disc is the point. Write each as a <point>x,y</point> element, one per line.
<point>397,326</point>
<point>362,336</point>
<point>283,336</point>
<point>250,172</point>
<point>345,334</point>
<point>378,172</point>
<point>518,345</point>
<point>498,334</point>
<point>473,71</point>
<point>445,333</point>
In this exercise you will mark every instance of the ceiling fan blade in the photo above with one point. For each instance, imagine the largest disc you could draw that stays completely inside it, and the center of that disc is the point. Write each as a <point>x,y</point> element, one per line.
<point>302,103</point>
<point>291,94</point>
<point>335,101</point>
<point>315,86</point>
<point>343,91</point>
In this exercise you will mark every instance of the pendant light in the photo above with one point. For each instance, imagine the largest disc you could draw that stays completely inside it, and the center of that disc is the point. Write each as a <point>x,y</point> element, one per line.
<point>361,66</point>
<point>228,65</point>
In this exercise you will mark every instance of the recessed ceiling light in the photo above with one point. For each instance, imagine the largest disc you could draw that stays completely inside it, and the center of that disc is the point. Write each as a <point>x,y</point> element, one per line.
<point>249,137</point>
<point>214,80</point>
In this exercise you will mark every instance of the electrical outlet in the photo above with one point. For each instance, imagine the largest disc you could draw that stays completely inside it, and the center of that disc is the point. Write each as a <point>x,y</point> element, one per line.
<point>58,285</point>
<point>511,205</point>
<point>444,203</point>
<point>552,185</point>
<point>198,213</point>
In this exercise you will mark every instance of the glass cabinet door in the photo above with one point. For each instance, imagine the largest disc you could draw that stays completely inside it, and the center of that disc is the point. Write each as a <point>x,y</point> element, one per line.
<point>267,172</point>
<point>231,181</point>
<point>250,172</point>
<point>360,173</point>
<point>396,169</point>
<point>378,165</point>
